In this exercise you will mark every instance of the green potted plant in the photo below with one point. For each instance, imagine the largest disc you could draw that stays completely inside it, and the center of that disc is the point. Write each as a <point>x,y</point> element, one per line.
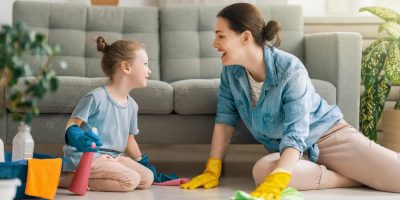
<point>380,68</point>
<point>25,84</point>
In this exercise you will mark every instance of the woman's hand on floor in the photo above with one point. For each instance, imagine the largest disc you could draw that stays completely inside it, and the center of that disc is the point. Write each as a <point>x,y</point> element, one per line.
<point>271,188</point>
<point>209,178</point>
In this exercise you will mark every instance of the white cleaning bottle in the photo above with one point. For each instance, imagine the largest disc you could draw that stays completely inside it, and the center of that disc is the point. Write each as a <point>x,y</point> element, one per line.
<point>1,151</point>
<point>22,146</point>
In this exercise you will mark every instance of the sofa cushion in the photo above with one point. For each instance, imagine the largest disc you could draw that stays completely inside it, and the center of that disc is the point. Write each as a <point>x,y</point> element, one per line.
<point>199,96</point>
<point>195,96</point>
<point>186,42</point>
<point>76,26</point>
<point>156,98</point>
<point>326,90</point>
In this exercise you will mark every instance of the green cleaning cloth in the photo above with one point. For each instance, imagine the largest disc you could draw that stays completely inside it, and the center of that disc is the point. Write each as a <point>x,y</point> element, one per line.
<point>287,194</point>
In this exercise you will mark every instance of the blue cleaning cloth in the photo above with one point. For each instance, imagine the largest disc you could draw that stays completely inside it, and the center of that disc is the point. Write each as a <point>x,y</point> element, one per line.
<point>158,177</point>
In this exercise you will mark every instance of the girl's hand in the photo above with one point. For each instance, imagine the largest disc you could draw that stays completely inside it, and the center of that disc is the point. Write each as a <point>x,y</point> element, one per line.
<point>82,141</point>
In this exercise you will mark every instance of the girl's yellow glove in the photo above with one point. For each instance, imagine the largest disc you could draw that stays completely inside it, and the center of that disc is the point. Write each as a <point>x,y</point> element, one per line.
<point>271,188</point>
<point>209,178</point>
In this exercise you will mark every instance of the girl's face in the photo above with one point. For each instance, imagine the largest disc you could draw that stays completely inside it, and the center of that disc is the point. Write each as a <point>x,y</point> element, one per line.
<point>228,43</point>
<point>139,71</point>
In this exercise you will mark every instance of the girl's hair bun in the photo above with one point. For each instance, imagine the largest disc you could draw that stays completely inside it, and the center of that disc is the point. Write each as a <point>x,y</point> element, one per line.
<point>102,46</point>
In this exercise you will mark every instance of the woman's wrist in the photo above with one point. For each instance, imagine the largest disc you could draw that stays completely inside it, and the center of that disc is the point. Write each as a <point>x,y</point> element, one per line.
<point>278,170</point>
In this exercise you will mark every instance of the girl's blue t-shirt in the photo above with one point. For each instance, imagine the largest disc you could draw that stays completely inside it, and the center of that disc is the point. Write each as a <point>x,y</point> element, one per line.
<point>113,121</point>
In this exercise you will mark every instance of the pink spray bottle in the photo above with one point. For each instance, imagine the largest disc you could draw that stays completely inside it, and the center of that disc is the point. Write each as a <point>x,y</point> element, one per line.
<point>81,178</point>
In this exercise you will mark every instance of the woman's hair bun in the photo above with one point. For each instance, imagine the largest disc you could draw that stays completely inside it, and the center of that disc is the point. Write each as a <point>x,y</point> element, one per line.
<point>271,30</point>
<point>102,46</point>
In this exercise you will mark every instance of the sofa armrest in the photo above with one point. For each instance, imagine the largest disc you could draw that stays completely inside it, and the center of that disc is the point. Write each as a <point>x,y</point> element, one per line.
<point>336,57</point>
<point>3,114</point>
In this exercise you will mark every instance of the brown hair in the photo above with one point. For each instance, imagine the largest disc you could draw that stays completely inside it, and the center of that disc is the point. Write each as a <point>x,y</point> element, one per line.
<point>121,50</point>
<point>245,16</point>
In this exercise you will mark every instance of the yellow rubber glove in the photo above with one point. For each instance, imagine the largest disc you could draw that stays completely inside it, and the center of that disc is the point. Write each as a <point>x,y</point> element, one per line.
<point>209,178</point>
<point>271,188</point>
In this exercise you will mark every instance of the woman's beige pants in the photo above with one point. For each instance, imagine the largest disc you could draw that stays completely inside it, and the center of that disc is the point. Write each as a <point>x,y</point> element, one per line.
<point>347,159</point>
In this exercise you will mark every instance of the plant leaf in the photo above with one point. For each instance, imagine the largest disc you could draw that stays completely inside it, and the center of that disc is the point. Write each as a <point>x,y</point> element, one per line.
<point>392,28</point>
<point>17,44</point>
<point>372,46</point>
<point>371,107</point>
<point>392,62</point>
<point>367,110</point>
<point>386,14</point>
<point>53,83</point>
<point>372,64</point>
<point>63,65</point>
<point>382,91</point>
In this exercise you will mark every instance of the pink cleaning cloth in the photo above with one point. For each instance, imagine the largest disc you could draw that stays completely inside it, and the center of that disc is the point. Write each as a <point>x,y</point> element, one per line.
<point>175,182</point>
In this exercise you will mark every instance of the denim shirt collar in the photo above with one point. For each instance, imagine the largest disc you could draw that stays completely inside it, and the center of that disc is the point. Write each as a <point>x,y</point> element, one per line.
<point>270,71</point>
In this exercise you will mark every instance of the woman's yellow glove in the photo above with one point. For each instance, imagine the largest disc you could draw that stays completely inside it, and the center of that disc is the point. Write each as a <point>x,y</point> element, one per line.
<point>271,188</point>
<point>209,178</point>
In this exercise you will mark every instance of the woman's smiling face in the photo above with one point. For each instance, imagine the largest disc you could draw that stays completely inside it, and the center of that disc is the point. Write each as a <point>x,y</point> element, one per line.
<point>228,42</point>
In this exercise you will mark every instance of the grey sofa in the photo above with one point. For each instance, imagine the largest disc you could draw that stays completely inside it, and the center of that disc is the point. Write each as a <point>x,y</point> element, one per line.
<point>179,104</point>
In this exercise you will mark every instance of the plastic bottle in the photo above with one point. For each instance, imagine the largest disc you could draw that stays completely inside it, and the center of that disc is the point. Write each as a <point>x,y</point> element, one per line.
<point>1,151</point>
<point>22,146</point>
<point>80,180</point>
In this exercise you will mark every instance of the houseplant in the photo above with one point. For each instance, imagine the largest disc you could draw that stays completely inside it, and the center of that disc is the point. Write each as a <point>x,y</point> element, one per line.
<point>25,84</point>
<point>17,44</point>
<point>380,68</point>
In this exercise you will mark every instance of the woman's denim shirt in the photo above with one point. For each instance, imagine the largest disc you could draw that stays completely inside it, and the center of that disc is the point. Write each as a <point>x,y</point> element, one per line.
<point>289,112</point>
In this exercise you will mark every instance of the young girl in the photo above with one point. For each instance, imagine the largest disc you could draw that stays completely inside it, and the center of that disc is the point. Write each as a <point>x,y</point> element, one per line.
<point>114,113</point>
<point>271,92</point>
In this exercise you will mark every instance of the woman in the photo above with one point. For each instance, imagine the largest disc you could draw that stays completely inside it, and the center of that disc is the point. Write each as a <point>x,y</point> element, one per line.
<point>311,146</point>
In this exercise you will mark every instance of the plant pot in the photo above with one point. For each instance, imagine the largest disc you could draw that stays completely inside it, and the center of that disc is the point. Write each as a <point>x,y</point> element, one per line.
<point>105,2</point>
<point>8,188</point>
<point>391,129</point>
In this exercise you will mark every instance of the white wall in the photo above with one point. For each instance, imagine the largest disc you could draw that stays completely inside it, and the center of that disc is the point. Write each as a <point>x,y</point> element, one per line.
<point>5,11</point>
<point>393,4</point>
<point>310,7</point>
